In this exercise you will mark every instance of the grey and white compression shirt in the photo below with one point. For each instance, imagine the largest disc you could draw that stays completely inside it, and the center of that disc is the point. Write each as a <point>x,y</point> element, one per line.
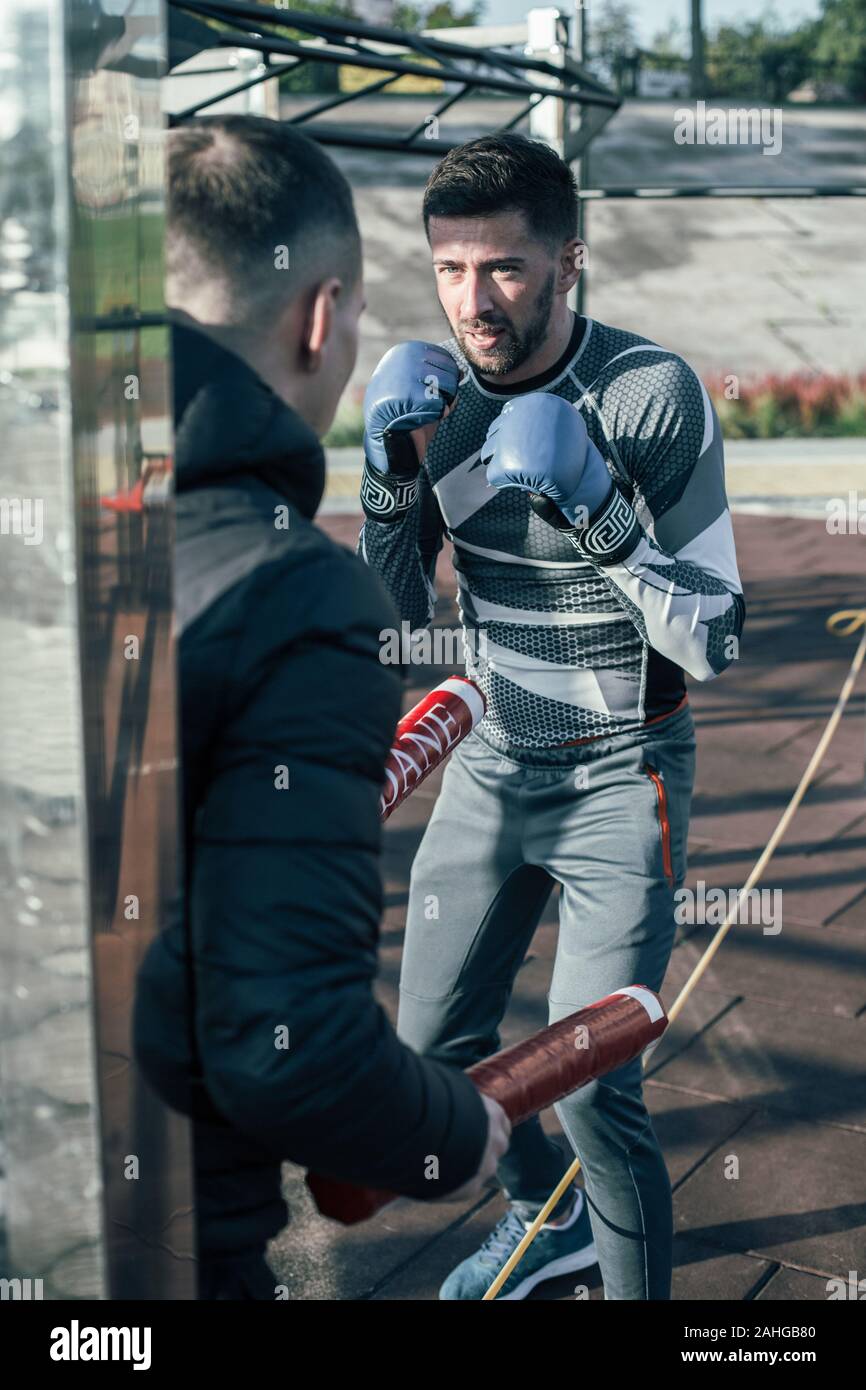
<point>567,649</point>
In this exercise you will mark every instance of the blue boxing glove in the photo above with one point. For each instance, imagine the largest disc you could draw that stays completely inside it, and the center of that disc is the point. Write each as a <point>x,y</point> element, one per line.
<point>411,388</point>
<point>539,443</point>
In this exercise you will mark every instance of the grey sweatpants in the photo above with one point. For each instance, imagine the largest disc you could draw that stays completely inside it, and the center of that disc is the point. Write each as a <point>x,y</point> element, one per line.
<point>612,830</point>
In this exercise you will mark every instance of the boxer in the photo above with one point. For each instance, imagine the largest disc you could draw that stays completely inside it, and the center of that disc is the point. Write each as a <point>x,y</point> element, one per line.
<point>577,469</point>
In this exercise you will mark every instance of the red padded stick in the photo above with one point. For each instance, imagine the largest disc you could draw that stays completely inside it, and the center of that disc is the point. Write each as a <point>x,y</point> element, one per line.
<point>532,1075</point>
<point>426,735</point>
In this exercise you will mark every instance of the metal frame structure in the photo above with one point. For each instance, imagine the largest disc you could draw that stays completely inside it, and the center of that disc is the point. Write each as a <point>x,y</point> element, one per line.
<point>342,41</point>
<point>467,66</point>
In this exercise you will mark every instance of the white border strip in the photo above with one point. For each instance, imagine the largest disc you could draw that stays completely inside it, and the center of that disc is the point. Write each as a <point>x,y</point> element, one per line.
<point>647,998</point>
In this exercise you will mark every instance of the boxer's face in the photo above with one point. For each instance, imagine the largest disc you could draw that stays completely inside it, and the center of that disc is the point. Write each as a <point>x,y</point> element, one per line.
<point>497,285</point>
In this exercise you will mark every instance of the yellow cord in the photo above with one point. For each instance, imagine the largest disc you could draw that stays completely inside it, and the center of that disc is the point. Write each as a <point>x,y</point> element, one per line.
<point>843,624</point>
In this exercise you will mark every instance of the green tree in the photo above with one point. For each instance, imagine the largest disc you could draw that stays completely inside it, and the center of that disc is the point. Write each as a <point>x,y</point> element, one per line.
<point>672,41</point>
<point>759,59</point>
<point>611,41</point>
<point>436,14</point>
<point>313,76</point>
<point>611,32</point>
<point>442,14</point>
<point>840,47</point>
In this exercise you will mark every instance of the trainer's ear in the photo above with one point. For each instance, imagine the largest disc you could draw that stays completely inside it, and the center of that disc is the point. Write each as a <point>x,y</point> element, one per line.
<point>318,322</point>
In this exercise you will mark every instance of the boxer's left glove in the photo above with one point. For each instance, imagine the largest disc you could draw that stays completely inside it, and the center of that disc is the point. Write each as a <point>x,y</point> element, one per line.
<point>539,443</point>
<point>411,388</point>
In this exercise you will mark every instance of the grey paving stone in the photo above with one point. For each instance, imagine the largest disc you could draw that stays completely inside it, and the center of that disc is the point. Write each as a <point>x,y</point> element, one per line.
<point>800,1063</point>
<point>820,884</point>
<point>853,914</point>
<point>704,1005</point>
<point>799,1198</point>
<point>740,807</point>
<point>689,1126</point>
<point>705,1272</point>
<point>820,969</point>
<point>319,1259</point>
<point>792,1286</point>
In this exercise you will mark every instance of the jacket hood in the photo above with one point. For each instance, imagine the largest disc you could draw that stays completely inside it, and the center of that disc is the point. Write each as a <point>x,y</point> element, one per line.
<point>229,422</point>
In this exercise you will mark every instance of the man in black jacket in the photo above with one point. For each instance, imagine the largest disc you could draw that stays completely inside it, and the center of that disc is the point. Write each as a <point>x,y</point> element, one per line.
<point>255,1013</point>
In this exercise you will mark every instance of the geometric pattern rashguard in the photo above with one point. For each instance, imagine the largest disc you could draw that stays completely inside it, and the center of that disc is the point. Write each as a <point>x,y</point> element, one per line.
<point>568,644</point>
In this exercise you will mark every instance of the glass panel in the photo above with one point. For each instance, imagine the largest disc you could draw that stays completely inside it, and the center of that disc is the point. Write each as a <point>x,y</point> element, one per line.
<point>98,1193</point>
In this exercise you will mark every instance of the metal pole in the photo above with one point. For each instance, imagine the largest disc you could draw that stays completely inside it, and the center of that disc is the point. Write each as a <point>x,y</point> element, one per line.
<point>580,295</point>
<point>547,34</point>
<point>698,78</point>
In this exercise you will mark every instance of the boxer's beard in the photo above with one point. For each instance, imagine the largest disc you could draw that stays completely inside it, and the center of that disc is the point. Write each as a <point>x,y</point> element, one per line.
<point>515,346</point>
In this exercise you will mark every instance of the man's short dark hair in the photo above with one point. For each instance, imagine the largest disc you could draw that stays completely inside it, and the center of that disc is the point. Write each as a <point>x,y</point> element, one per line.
<point>506,173</point>
<point>259,205</point>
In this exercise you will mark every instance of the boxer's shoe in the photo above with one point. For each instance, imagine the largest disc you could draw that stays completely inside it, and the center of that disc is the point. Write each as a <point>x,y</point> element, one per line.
<point>556,1250</point>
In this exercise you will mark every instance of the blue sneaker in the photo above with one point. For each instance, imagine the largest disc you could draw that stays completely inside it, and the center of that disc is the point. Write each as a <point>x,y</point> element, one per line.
<point>556,1250</point>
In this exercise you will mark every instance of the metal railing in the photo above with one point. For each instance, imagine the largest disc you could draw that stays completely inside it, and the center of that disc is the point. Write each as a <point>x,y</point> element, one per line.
<point>346,42</point>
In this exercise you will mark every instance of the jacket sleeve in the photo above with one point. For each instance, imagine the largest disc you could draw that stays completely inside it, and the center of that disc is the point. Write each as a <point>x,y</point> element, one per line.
<point>403,554</point>
<point>286,899</point>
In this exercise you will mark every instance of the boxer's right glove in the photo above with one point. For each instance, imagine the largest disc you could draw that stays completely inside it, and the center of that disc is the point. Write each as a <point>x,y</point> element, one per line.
<point>412,386</point>
<point>539,443</point>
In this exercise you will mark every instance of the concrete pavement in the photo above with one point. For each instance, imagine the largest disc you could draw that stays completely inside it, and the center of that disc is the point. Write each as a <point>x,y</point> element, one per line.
<point>743,286</point>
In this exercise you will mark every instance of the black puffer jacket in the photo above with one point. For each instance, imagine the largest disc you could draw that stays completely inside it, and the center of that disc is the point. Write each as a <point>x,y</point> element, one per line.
<point>281,683</point>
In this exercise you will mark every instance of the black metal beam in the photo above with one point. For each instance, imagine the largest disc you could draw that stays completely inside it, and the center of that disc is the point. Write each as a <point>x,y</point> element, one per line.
<point>245,86</point>
<point>346,43</point>
<point>825,190</point>
<point>341,100</point>
<point>440,111</point>
<point>337,26</point>
<point>123,321</point>
<point>382,62</point>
